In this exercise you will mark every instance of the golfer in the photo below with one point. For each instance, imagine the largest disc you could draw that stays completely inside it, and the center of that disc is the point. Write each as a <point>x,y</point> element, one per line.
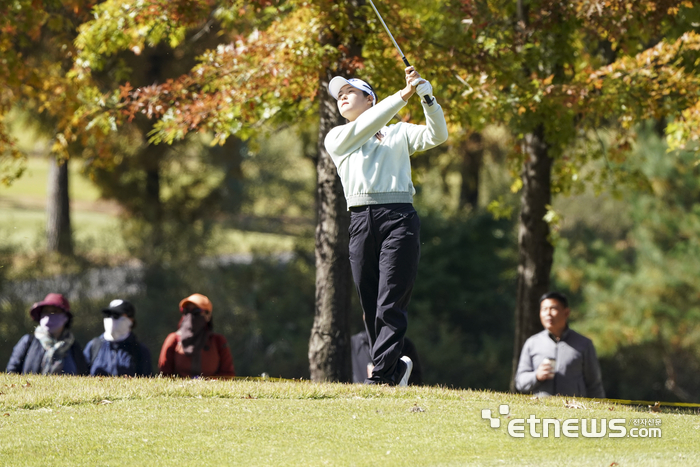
<point>375,169</point>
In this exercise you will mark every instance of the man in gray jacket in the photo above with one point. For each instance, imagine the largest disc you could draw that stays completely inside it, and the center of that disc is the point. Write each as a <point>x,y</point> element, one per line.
<point>558,361</point>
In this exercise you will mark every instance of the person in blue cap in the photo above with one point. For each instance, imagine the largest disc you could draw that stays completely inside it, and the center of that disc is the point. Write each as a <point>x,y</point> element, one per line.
<point>117,352</point>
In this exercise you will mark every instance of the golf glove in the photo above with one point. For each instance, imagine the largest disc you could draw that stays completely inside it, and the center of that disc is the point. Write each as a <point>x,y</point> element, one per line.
<point>424,89</point>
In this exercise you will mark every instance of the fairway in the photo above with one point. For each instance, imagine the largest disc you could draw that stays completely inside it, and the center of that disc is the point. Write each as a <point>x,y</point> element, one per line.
<point>161,422</point>
<point>23,211</point>
<point>32,186</point>
<point>96,222</point>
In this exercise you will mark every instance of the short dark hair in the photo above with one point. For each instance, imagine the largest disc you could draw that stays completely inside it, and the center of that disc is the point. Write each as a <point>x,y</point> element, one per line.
<point>558,296</point>
<point>373,90</point>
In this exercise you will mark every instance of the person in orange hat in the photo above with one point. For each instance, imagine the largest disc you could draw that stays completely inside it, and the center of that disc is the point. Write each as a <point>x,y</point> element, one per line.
<point>51,349</point>
<point>194,350</point>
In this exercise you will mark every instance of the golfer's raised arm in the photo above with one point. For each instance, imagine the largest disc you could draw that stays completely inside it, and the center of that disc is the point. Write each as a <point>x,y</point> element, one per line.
<point>347,138</point>
<point>434,132</point>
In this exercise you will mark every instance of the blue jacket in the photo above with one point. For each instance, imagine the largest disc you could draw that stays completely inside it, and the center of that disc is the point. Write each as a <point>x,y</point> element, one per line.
<point>128,357</point>
<point>27,354</point>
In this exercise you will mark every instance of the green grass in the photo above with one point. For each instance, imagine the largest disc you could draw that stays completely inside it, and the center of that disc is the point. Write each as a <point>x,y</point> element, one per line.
<point>95,224</point>
<point>23,215</point>
<point>99,232</point>
<point>25,228</point>
<point>240,241</point>
<point>163,422</point>
<point>33,183</point>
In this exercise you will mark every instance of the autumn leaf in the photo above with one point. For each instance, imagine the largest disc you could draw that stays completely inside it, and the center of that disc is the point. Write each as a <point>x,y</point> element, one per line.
<point>573,405</point>
<point>415,408</point>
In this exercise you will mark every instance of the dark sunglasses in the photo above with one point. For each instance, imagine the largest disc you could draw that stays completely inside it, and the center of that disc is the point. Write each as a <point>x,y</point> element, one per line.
<point>51,310</point>
<point>194,310</point>
<point>112,314</point>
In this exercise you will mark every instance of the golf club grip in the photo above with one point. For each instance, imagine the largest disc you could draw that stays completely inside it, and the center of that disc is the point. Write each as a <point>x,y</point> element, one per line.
<point>427,99</point>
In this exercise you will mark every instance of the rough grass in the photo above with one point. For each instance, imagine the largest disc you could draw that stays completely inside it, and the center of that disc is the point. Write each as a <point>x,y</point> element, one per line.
<point>118,421</point>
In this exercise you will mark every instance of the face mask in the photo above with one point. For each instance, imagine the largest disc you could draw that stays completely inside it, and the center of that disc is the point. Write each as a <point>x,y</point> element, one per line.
<point>116,330</point>
<point>193,332</point>
<point>54,322</point>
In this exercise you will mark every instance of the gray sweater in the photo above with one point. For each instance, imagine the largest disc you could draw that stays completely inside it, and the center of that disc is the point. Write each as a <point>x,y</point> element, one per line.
<point>577,369</point>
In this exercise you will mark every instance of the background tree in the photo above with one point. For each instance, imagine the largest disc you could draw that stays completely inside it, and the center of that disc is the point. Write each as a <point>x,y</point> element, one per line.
<point>36,49</point>
<point>551,72</point>
<point>58,228</point>
<point>631,264</point>
<point>329,345</point>
<point>548,71</point>
<point>263,77</point>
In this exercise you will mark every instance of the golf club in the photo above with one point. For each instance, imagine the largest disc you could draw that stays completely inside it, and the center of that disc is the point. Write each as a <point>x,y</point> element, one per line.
<point>427,98</point>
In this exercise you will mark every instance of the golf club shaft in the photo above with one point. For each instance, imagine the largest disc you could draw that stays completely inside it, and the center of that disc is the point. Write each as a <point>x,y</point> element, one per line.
<point>427,98</point>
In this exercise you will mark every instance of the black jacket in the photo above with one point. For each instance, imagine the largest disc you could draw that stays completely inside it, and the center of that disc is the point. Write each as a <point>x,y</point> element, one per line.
<point>27,354</point>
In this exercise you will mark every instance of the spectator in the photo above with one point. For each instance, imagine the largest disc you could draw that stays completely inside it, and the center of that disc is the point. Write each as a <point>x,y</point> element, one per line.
<point>194,350</point>
<point>362,365</point>
<point>118,352</point>
<point>558,360</point>
<point>52,348</point>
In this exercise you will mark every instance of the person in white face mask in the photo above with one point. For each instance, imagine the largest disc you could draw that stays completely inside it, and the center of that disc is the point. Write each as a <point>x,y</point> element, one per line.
<point>118,352</point>
<point>51,349</point>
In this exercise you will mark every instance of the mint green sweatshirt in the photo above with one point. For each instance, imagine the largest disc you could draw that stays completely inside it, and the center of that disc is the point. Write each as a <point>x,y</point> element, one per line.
<point>379,172</point>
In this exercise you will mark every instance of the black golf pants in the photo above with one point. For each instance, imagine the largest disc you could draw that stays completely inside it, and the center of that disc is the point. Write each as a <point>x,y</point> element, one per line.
<point>384,254</point>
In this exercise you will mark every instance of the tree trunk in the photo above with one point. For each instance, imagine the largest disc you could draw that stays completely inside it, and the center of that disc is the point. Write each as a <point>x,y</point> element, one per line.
<point>536,252</point>
<point>472,157</point>
<point>59,237</point>
<point>152,210</point>
<point>329,345</point>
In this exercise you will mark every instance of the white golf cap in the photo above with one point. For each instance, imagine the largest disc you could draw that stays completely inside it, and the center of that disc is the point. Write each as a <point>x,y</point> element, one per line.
<point>338,82</point>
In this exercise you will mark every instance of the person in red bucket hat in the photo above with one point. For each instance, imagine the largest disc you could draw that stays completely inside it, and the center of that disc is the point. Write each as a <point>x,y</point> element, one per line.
<point>194,350</point>
<point>52,348</point>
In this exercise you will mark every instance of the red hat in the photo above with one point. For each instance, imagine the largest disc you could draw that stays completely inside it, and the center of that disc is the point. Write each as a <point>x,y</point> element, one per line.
<point>52,299</point>
<point>198,299</point>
